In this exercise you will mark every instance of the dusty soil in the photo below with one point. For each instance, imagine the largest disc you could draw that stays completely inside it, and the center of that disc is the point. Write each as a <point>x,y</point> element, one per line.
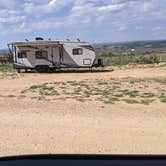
<point>32,126</point>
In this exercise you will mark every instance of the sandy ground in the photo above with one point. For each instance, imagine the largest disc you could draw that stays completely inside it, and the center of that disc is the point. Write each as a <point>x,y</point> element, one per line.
<point>37,127</point>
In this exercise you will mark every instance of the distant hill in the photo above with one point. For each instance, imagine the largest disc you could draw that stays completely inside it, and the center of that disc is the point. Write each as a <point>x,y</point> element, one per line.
<point>137,46</point>
<point>4,51</point>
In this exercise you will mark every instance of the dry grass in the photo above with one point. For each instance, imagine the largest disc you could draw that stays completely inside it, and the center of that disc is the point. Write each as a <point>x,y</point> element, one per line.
<point>107,91</point>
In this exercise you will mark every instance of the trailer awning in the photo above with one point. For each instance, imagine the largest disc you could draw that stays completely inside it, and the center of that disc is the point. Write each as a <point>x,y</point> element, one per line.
<point>37,43</point>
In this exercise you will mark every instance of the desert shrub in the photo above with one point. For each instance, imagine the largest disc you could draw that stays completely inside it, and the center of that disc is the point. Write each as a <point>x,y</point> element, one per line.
<point>6,67</point>
<point>147,59</point>
<point>110,58</point>
<point>104,54</point>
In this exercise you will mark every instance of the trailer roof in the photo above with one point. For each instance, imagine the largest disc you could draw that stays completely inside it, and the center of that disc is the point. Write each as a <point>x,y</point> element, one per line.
<point>37,43</point>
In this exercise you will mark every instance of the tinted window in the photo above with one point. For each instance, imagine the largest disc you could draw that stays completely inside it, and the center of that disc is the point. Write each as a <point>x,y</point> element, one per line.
<point>41,54</point>
<point>22,54</point>
<point>77,51</point>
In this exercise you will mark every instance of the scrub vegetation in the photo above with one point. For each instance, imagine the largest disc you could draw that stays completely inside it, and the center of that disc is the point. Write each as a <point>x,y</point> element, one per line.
<point>107,91</point>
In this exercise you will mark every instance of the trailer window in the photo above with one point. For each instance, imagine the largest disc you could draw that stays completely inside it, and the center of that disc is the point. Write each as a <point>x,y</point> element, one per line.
<point>41,54</point>
<point>22,54</point>
<point>77,51</point>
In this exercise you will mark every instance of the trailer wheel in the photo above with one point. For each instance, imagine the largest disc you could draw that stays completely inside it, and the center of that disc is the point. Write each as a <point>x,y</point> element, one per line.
<point>100,62</point>
<point>52,70</point>
<point>42,69</point>
<point>19,70</point>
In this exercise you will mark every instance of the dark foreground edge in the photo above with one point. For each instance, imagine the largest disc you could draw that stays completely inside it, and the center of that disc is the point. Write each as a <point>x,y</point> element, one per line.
<point>84,160</point>
<point>84,157</point>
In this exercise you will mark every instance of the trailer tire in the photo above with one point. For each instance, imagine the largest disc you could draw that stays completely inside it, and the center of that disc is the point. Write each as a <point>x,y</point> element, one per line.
<point>52,70</point>
<point>42,69</point>
<point>100,62</point>
<point>19,70</point>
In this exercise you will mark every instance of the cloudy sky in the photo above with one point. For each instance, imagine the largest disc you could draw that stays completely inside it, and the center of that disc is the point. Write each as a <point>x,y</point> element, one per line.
<point>89,20</point>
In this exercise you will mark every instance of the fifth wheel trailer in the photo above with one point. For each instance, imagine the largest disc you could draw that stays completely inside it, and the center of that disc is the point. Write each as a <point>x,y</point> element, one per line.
<point>44,55</point>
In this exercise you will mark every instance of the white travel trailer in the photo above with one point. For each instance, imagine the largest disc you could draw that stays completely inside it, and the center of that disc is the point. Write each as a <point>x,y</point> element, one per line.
<point>44,55</point>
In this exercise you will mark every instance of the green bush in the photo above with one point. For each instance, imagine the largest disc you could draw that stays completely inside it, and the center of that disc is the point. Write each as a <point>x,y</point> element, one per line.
<point>6,67</point>
<point>148,59</point>
<point>110,58</point>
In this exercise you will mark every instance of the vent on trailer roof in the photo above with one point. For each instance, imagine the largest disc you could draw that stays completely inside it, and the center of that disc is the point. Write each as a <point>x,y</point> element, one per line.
<point>39,38</point>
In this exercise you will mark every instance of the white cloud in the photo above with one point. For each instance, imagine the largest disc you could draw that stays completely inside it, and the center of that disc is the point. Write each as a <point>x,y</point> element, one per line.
<point>8,3</point>
<point>122,27</point>
<point>117,15</point>
<point>10,16</point>
<point>114,13</point>
<point>12,19</point>
<point>110,8</point>
<point>158,28</point>
<point>158,31</point>
<point>147,6</point>
<point>42,8</point>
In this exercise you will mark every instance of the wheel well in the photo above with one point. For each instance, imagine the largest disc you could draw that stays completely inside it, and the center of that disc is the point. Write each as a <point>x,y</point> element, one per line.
<point>42,68</point>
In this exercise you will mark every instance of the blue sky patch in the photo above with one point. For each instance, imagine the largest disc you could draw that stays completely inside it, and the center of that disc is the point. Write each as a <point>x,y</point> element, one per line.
<point>90,20</point>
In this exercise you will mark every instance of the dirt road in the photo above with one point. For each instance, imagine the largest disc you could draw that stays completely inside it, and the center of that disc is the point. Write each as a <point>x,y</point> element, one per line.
<point>31,126</point>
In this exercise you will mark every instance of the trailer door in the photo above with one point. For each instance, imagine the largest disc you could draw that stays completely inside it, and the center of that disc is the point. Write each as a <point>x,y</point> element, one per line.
<point>56,56</point>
